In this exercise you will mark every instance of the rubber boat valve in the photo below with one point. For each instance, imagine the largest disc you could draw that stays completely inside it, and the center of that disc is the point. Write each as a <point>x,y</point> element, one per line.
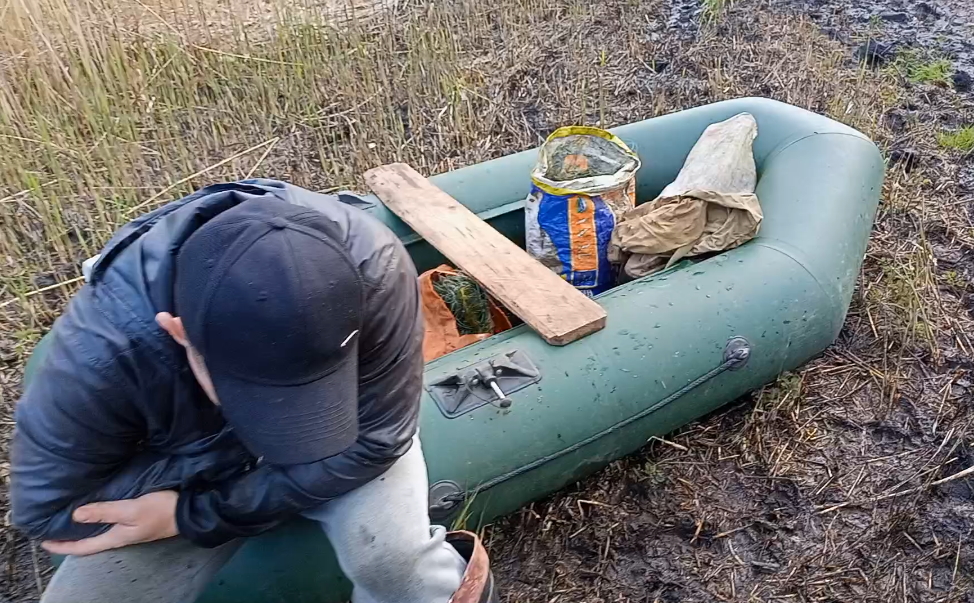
<point>445,498</point>
<point>736,353</point>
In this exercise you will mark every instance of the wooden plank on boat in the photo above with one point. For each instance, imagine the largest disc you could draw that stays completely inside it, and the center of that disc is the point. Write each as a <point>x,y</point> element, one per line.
<point>547,303</point>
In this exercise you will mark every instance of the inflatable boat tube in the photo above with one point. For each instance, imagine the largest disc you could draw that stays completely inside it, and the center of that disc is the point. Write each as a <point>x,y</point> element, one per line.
<point>677,345</point>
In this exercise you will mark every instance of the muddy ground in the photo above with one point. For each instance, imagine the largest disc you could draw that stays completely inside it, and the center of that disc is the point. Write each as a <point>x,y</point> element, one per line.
<point>817,488</point>
<point>823,487</point>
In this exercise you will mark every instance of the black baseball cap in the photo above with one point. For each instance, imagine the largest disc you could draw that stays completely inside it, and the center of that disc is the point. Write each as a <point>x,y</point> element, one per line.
<point>271,300</point>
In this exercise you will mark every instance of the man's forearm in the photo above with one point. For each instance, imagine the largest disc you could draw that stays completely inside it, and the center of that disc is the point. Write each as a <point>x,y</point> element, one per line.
<point>268,496</point>
<point>44,511</point>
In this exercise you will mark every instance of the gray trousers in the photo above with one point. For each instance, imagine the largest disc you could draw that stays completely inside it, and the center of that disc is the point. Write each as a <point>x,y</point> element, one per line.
<point>405,560</point>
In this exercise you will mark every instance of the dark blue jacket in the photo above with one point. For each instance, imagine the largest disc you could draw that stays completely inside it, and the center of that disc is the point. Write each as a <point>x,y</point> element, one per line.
<point>114,412</point>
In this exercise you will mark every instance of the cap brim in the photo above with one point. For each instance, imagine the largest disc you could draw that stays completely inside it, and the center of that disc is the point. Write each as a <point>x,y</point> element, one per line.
<point>296,424</point>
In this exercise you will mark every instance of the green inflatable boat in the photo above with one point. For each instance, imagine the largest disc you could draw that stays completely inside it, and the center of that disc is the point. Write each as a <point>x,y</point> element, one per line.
<point>677,344</point>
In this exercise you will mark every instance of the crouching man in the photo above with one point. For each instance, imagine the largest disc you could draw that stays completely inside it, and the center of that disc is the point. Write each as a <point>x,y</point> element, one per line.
<point>247,354</point>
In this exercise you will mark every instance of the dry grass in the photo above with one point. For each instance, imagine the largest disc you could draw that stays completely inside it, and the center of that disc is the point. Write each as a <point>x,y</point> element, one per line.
<point>820,488</point>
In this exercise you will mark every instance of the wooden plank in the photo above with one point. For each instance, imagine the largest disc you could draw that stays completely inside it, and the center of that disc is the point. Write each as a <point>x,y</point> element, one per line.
<point>547,303</point>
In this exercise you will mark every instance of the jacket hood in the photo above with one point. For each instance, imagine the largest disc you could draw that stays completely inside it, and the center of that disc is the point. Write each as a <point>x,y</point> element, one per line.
<point>141,256</point>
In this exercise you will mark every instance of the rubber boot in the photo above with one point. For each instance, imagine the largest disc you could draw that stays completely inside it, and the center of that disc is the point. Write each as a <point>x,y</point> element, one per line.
<point>477,585</point>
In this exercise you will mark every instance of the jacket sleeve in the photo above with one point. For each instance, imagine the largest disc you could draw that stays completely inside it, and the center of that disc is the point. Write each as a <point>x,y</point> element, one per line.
<point>390,383</point>
<point>269,495</point>
<point>77,430</point>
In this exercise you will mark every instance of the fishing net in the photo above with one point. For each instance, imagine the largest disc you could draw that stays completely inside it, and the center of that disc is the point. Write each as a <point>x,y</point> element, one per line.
<point>584,156</point>
<point>467,301</point>
<point>456,311</point>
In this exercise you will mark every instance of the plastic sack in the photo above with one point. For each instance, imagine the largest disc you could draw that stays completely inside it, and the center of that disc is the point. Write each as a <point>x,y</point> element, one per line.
<point>442,335</point>
<point>722,160</point>
<point>584,180</point>
<point>710,207</point>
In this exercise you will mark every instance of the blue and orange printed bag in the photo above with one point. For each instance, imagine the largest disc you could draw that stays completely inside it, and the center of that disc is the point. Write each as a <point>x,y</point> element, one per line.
<point>584,180</point>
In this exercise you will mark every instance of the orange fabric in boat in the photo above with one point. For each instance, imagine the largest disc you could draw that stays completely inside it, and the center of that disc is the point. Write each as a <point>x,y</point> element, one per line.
<point>442,336</point>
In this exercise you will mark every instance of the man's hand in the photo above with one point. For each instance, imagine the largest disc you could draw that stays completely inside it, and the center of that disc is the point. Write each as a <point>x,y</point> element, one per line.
<point>144,519</point>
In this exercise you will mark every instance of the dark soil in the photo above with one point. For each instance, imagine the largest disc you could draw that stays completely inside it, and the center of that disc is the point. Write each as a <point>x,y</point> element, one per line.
<point>817,488</point>
<point>942,27</point>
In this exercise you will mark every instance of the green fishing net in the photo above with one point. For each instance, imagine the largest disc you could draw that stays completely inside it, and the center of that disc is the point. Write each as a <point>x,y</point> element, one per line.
<point>467,301</point>
<point>584,156</point>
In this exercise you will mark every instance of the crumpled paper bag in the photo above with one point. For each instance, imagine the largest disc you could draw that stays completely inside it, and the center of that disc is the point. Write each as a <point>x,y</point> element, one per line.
<point>709,207</point>
<point>657,234</point>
